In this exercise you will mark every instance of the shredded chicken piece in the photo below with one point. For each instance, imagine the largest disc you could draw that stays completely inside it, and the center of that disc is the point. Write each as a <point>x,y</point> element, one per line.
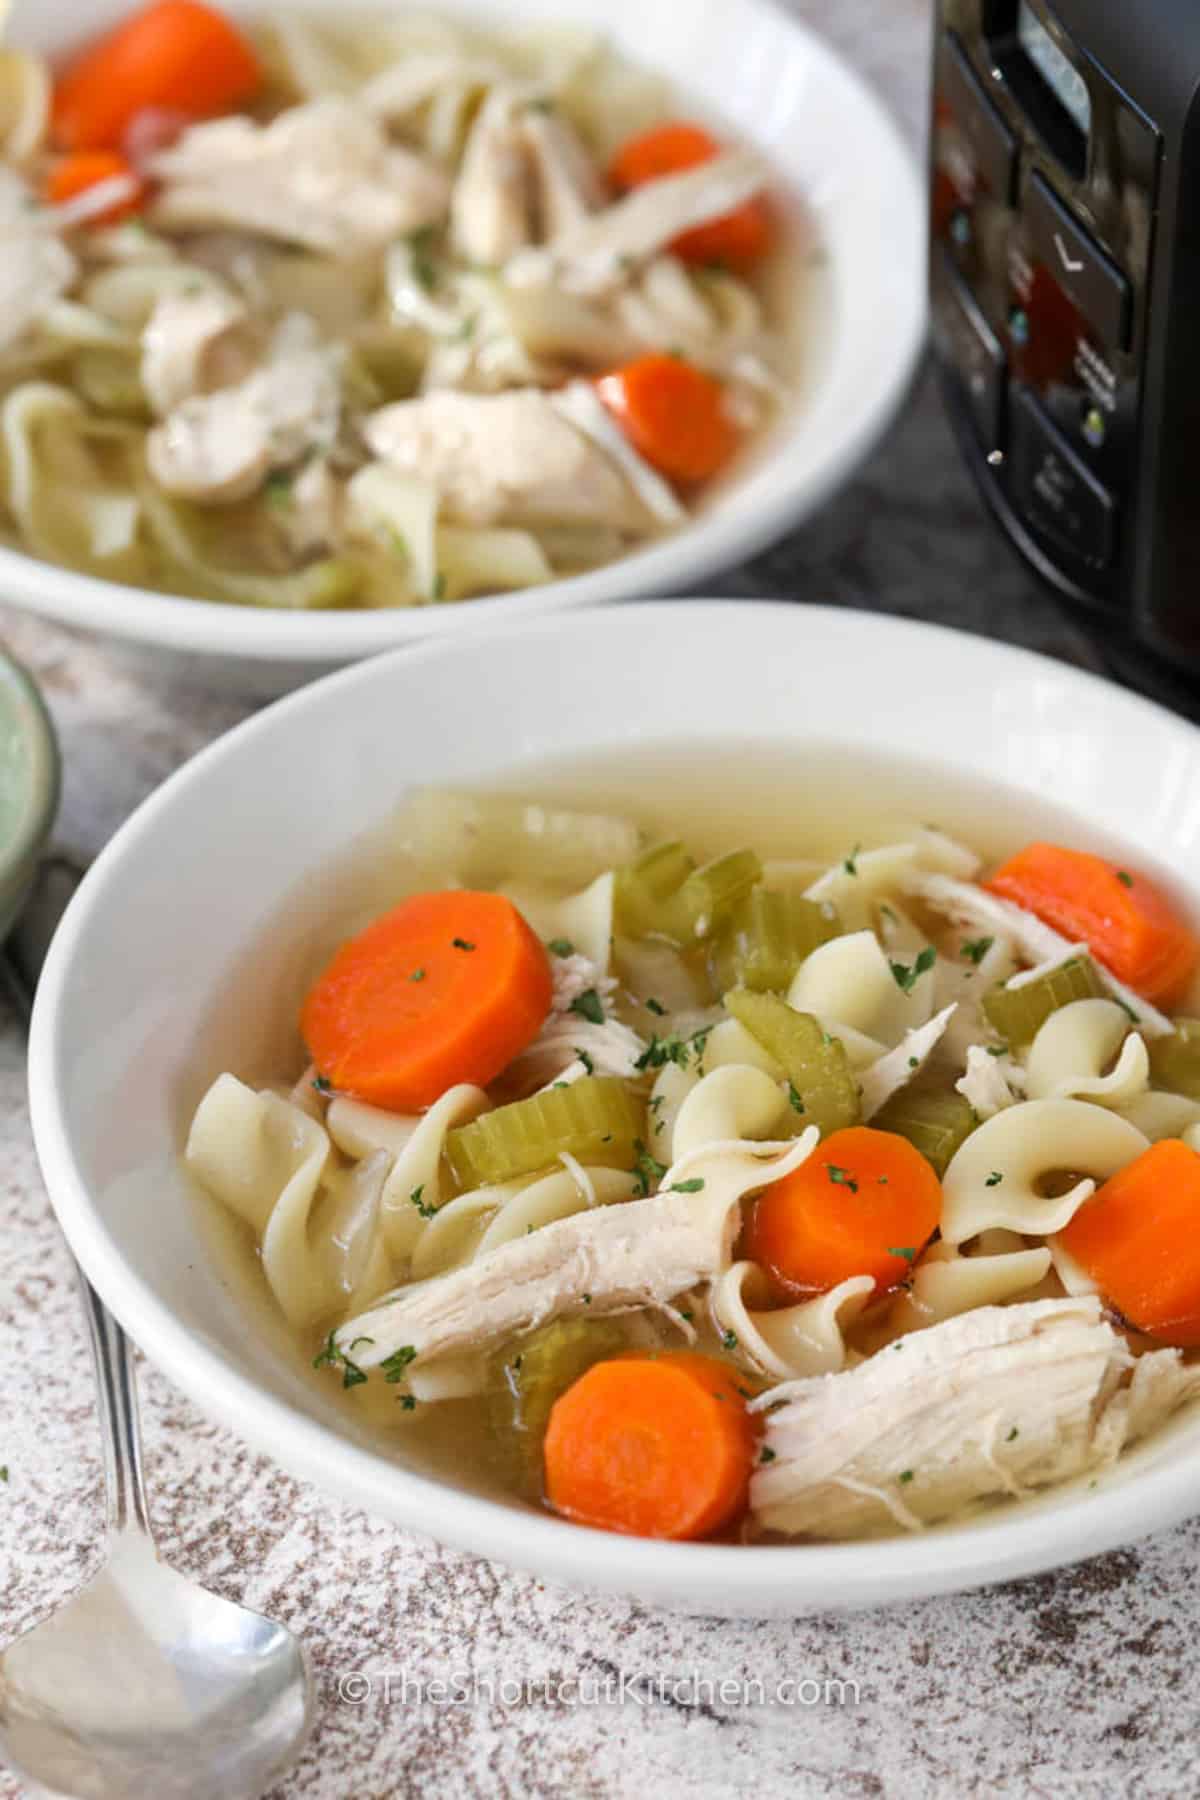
<point>599,252</point>
<point>36,268</point>
<point>984,1085</point>
<point>192,343</point>
<point>322,175</point>
<point>569,1042</point>
<point>1001,1399</point>
<point>309,516</point>
<point>218,447</point>
<point>492,205</point>
<point>566,183</point>
<point>404,86</point>
<point>892,1071</point>
<point>641,1253</point>
<point>504,458</point>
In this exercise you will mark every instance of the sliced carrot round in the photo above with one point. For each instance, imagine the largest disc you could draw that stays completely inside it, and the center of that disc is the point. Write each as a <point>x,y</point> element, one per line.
<point>1125,918</point>
<point>74,175</point>
<point>179,54</point>
<point>653,1446</point>
<point>865,1203</point>
<point>673,414</point>
<point>1138,1237</point>
<point>738,237</point>
<point>446,987</point>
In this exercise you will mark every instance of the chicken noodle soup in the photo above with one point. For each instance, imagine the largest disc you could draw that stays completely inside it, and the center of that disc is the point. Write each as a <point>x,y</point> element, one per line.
<point>372,312</point>
<point>744,1197</point>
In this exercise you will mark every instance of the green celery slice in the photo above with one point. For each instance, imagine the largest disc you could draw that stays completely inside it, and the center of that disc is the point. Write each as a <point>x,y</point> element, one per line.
<point>934,1121</point>
<point>766,938</point>
<point>644,886</point>
<point>1175,1060</point>
<point>597,1119</point>
<point>530,1376</point>
<point>1018,1014</point>
<point>664,894</point>
<point>814,1063</point>
<point>709,895</point>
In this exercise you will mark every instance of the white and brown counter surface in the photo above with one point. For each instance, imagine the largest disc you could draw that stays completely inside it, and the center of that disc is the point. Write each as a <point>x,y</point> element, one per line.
<point>1082,1683</point>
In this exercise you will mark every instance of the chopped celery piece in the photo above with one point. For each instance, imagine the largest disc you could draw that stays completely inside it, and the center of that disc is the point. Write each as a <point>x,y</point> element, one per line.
<point>644,886</point>
<point>596,1119</point>
<point>767,937</point>
<point>486,837</point>
<point>664,894</point>
<point>531,1375</point>
<point>814,1063</point>
<point>1019,1013</point>
<point>1175,1060</point>
<point>934,1121</point>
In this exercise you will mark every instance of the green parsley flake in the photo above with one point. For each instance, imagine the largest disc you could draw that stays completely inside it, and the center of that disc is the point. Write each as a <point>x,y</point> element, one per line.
<point>426,1211</point>
<point>660,1051</point>
<point>994,1179</point>
<point>729,1339</point>
<point>907,1251</point>
<point>997,1049</point>
<point>462,944</point>
<point>647,1169</point>
<point>1125,878</point>
<point>588,1006</point>
<point>332,1355</point>
<point>841,1177</point>
<point>323,1084</point>
<point>686,1313</point>
<point>766,1454</point>
<point>407,1402</point>
<point>914,1062</point>
<point>794,1100</point>
<point>393,1366</point>
<point>906,1475</point>
<point>587,1299</point>
<point>417,975</point>
<point>906,977</point>
<point>1012,1434</point>
<point>561,947</point>
<point>850,864</point>
<point>688,1187</point>
<point>3,1471</point>
<point>975,949</point>
<point>586,1060</point>
<point>656,1007</point>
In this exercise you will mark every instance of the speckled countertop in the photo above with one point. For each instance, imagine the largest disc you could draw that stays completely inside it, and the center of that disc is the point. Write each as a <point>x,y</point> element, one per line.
<point>1082,1683</point>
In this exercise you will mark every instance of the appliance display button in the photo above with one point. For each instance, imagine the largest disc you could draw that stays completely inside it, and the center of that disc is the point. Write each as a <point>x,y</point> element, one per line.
<point>1057,493</point>
<point>966,340</point>
<point>1089,278</point>
<point>993,145</point>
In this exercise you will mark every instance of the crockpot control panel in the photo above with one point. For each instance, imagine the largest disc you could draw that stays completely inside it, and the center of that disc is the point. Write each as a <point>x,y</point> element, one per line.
<point>1044,177</point>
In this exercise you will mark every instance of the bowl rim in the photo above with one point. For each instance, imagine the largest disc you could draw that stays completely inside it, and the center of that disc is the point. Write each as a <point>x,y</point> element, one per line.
<point>757,1580</point>
<point>706,544</point>
<point>43,778</point>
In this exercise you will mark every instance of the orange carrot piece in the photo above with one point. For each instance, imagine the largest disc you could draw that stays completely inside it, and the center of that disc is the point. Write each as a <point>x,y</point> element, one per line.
<point>653,1446</point>
<point>445,988</point>
<point>75,174</point>
<point>1126,920</point>
<point>1138,1237</point>
<point>738,238</point>
<point>673,414</point>
<point>865,1203</point>
<point>178,54</point>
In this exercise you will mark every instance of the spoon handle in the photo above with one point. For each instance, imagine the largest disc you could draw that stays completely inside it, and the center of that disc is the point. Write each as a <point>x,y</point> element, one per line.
<point>116,1399</point>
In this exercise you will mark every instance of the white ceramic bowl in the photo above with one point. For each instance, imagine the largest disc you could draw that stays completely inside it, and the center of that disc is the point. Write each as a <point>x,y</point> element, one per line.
<point>777,86</point>
<point>174,918</point>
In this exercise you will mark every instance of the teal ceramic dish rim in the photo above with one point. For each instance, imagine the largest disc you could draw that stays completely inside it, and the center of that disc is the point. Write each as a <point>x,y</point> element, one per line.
<point>20,697</point>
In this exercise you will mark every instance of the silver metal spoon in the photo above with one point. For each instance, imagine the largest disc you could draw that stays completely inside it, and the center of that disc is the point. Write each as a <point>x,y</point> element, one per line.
<point>144,1686</point>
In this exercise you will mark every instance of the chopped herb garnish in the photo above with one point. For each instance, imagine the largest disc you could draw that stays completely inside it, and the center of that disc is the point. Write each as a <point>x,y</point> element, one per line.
<point>656,1102</point>
<point>914,1062</point>
<point>997,1049</point>
<point>1012,1434</point>
<point>462,944</point>
<point>332,1354</point>
<point>1125,878</point>
<point>766,1454</point>
<point>994,1179</point>
<point>393,1366</point>
<point>906,1475</point>
<point>588,1005</point>
<point>417,975</point>
<point>277,490</point>
<point>686,1313</point>
<point>906,976</point>
<point>3,1471</point>
<point>660,1051</point>
<point>656,1007</point>
<point>407,1402</point>
<point>323,1084</point>
<point>841,1177</point>
<point>688,1187</point>
<point>421,243</point>
<point>975,949</point>
<point>426,1211</point>
<point>850,864</point>
<point>561,947</point>
<point>907,1251</point>
<point>794,1100</point>
<point>647,1169</point>
<point>729,1339</point>
<point>885,912</point>
<point>586,1060</point>
<point>587,1299</point>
